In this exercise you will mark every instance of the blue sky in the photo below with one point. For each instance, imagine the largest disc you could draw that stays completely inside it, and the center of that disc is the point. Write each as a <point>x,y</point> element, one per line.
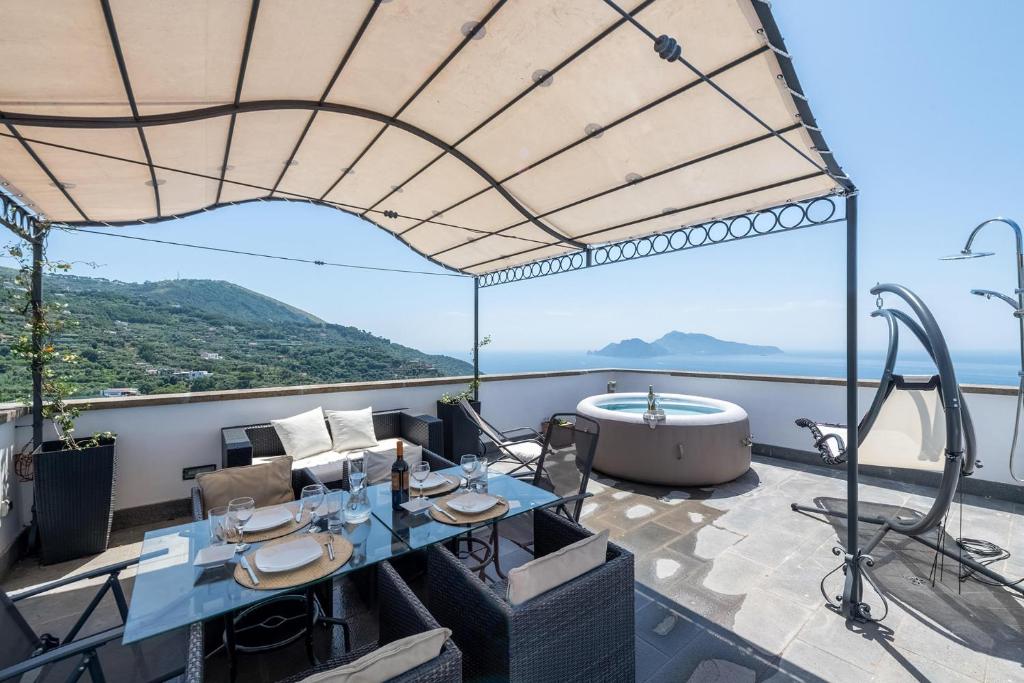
<point>920,101</point>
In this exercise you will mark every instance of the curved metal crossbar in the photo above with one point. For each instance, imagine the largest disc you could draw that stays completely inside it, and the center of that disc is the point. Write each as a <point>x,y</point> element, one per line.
<point>780,219</point>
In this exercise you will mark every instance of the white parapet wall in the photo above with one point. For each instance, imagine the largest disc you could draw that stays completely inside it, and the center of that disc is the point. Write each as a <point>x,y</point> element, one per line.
<point>159,436</point>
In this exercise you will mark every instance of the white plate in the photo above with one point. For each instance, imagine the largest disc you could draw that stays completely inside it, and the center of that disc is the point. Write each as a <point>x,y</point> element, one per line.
<point>214,555</point>
<point>433,480</point>
<point>284,557</point>
<point>269,518</point>
<point>473,503</point>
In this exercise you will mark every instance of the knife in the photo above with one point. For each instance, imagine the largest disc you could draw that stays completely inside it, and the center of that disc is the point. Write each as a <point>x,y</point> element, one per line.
<point>444,512</point>
<point>245,565</point>
<point>298,515</point>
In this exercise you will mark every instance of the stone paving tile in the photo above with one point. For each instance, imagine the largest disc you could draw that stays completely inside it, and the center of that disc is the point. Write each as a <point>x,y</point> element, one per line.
<point>650,536</point>
<point>723,660</point>
<point>733,574</point>
<point>909,666</point>
<point>707,542</point>
<point>648,660</point>
<point>664,629</point>
<point>769,621</point>
<point>663,568</point>
<point>807,664</point>
<point>862,645</point>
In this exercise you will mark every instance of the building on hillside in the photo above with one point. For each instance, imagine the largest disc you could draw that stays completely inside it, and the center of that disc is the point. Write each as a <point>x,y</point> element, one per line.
<point>191,374</point>
<point>210,355</point>
<point>115,392</point>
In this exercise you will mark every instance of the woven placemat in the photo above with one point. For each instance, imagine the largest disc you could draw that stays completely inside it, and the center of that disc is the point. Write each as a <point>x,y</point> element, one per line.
<point>451,485</point>
<point>278,531</point>
<point>297,577</point>
<point>462,518</point>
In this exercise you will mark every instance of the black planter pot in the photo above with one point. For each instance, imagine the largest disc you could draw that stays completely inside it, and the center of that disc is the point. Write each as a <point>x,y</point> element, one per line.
<point>460,433</point>
<point>74,499</point>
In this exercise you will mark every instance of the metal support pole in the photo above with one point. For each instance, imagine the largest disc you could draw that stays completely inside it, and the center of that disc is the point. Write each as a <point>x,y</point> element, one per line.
<point>38,235</point>
<point>852,602</point>
<point>476,339</point>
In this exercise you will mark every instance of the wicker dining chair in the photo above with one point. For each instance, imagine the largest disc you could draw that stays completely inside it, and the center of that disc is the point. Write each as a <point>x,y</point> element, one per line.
<point>580,631</point>
<point>400,615</point>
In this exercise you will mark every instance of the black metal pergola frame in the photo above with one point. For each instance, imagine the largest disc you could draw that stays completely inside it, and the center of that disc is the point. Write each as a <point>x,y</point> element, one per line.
<point>587,252</point>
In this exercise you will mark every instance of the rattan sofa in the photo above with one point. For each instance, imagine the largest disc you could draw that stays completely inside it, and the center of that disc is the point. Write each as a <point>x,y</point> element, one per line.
<point>241,444</point>
<point>580,631</point>
<point>400,614</point>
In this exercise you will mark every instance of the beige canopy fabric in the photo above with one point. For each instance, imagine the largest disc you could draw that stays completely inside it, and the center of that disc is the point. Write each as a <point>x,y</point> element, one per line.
<point>483,133</point>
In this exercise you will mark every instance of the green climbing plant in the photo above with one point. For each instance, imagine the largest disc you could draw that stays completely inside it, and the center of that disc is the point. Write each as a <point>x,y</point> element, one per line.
<point>45,322</point>
<point>469,392</point>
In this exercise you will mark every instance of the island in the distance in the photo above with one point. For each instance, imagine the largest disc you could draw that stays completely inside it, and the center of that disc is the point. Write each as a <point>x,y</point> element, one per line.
<point>683,344</point>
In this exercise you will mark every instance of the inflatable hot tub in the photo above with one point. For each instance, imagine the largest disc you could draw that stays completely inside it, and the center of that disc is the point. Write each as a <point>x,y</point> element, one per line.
<point>700,442</point>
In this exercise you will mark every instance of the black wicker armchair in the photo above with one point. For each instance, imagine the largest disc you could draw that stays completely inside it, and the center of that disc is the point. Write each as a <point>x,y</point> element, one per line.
<point>580,631</point>
<point>400,614</point>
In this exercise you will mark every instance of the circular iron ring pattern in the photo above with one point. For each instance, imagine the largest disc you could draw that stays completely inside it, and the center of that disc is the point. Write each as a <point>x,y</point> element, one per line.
<point>779,219</point>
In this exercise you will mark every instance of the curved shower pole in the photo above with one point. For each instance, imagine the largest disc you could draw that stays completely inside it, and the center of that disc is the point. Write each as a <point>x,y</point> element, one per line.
<point>1016,303</point>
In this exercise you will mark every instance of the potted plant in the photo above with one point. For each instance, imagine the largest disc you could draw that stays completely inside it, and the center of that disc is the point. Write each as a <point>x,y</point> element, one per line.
<point>73,491</point>
<point>461,435</point>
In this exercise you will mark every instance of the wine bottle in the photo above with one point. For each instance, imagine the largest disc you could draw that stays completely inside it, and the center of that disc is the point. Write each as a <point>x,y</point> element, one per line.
<point>399,477</point>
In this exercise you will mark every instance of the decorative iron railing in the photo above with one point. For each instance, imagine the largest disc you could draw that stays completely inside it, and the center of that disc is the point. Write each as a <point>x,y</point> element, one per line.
<point>780,219</point>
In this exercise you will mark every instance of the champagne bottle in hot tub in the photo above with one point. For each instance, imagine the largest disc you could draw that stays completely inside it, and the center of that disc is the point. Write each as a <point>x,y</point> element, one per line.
<point>651,405</point>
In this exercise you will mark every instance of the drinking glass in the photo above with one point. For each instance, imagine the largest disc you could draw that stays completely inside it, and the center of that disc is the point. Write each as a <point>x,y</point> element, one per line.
<point>312,498</point>
<point>356,475</point>
<point>239,513</point>
<point>480,476</point>
<point>468,463</point>
<point>218,517</point>
<point>420,472</point>
<point>333,510</point>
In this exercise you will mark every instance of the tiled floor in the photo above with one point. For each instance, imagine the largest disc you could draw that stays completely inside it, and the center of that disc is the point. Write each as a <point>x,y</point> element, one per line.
<point>728,586</point>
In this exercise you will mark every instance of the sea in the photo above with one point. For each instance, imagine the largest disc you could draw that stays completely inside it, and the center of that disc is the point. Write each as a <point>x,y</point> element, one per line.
<point>999,368</point>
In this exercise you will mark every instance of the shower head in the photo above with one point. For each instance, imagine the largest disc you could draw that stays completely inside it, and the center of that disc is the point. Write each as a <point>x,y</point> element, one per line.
<point>988,294</point>
<point>967,254</point>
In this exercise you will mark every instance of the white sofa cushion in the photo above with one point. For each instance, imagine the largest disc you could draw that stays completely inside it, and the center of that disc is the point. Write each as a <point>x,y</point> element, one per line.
<point>351,429</point>
<point>552,570</point>
<point>377,461</point>
<point>385,663</point>
<point>304,434</point>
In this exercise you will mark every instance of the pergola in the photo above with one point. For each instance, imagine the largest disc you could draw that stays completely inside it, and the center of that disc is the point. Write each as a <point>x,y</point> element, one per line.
<point>501,140</point>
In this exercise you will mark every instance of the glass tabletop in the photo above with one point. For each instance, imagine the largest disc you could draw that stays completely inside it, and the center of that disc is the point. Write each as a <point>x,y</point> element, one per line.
<point>419,530</point>
<point>170,592</point>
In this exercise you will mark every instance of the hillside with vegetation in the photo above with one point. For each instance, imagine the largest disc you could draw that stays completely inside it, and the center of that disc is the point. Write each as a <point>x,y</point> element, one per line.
<point>198,335</point>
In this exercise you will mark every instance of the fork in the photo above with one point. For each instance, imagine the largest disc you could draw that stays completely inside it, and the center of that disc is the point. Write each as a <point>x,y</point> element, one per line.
<point>330,546</point>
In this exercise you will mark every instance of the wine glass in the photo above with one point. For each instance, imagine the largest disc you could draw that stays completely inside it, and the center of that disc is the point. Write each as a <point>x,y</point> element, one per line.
<point>240,511</point>
<point>420,472</point>
<point>312,498</point>
<point>468,463</point>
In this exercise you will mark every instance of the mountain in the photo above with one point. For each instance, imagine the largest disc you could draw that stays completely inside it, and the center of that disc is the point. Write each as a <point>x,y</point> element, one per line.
<point>195,335</point>
<point>683,344</point>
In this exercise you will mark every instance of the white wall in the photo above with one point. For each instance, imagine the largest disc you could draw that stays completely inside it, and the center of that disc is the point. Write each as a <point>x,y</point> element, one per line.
<point>155,442</point>
<point>773,406</point>
<point>11,522</point>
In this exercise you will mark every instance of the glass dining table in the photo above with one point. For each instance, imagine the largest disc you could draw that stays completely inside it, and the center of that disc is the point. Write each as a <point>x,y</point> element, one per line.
<point>170,593</point>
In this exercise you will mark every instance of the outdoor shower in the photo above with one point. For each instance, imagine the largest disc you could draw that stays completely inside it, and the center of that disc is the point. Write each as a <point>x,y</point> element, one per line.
<point>1017,303</point>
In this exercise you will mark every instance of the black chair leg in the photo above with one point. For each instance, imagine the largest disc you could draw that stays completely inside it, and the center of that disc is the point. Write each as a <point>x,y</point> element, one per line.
<point>229,638</point>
